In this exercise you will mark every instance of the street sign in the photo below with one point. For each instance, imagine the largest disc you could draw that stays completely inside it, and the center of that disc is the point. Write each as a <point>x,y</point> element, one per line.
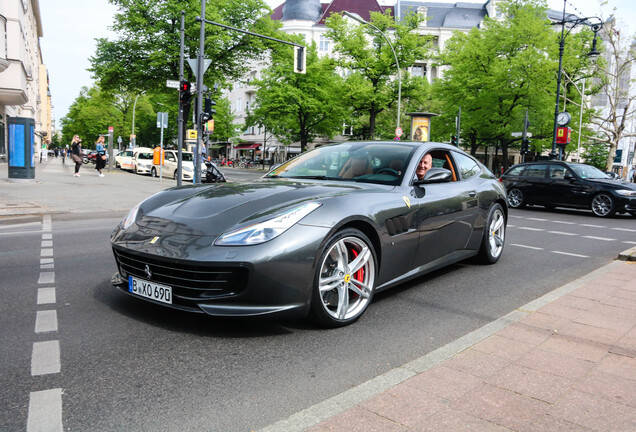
<point>193,65</point>
<point>518,134</point>
<point>192,134</point>
<point>172,84</point>
<point>398,132</point>
<point>111,129</point>
<point>162,119</point>
<point>119,140</point>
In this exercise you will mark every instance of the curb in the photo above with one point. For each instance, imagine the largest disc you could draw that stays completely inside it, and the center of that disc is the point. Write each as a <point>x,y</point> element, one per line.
<point>628,255</point>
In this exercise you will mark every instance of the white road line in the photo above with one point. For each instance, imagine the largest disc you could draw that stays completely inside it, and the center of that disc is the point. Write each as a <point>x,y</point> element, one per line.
<point>46,261</point>
<point>47,253</point>
<point>562,233</point>
<point>629,242</point>
<point>46,223</point>
<point>593,226</point>
<point>47,243</point>
<point>46,266</point>
<point>46,295</point>
<point>46,321</point>
<point>46,277</point>
<point>45,358</point>
<point>570,254</point>
<point>527,247</point>
<point>47,236</point>
<point>624,229</point>
<point>564,222</point>
<point>14,226</point>
<point>531,229</point>
<point>45,411</point>
<point>511,226</point>
<point>600,238</point>
<point>537,219</point>
<point>518,217</point>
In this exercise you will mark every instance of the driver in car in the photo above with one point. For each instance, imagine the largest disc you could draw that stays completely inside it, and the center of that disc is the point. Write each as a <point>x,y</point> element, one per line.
<point>425,164</point>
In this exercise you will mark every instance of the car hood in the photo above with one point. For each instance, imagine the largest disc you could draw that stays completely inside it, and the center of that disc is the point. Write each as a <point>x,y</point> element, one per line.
<point>212,210</point>
<point>614,184</point>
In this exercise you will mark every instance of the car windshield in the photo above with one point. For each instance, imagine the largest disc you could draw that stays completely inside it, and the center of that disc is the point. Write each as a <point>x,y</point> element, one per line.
<point>146,156</point>
<point>588,172</point>
<point>362,162</point>
<point>186,157</point>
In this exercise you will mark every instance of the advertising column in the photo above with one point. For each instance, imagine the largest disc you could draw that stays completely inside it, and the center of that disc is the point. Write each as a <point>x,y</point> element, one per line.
<point>21,149</point>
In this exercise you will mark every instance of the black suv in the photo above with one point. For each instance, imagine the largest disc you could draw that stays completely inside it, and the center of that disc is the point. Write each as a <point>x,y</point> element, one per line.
<point>568,184</point>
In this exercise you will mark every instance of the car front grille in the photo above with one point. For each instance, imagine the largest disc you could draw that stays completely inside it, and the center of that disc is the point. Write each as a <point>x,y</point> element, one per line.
<point>191,282</point>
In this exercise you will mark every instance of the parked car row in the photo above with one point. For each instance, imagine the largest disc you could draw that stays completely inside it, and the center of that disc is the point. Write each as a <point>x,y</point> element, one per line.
<point>567,184</point>
<point>141,160</point>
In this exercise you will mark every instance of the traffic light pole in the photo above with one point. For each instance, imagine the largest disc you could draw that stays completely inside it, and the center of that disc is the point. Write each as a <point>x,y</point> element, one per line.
<point>180,120</point>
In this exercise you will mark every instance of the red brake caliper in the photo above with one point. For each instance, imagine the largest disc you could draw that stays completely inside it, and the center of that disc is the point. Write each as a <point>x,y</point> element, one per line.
<point>359,275</point>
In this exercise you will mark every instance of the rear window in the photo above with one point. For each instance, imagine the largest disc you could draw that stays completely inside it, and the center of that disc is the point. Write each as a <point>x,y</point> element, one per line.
<point>535,171</point>
<point>515,171</point>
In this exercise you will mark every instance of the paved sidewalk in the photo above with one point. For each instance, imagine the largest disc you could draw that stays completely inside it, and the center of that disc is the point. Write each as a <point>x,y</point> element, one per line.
<point>565,362</point>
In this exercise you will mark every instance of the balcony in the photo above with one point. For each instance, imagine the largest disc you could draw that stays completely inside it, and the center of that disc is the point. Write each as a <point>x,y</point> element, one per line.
<point>14,84</point>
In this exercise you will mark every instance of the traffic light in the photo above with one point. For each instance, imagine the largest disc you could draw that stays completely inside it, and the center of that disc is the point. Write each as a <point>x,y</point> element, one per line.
<point>525,143</point>
<point>300,61</point>
<point>184,92</point>
<point>454,140</point>
<point>208,111</point>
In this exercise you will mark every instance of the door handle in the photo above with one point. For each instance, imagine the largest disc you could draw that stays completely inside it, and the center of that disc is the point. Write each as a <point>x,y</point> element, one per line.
<point>472,194</point>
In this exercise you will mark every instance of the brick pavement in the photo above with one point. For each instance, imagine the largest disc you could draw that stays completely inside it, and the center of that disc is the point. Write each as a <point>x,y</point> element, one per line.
<point>566,362</point>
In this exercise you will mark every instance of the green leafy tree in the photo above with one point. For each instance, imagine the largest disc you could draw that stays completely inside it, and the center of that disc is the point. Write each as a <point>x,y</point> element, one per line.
<point>498,71</point>
<point>596,155</point>
<point>146,50</point>
<point>224,127</point>
<point>298,107</point>
<point>370,86</point>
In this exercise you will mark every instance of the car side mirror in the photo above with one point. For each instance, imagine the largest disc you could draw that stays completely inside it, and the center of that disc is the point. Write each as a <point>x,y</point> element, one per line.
<point>436,175</point>
<point>568,176</point>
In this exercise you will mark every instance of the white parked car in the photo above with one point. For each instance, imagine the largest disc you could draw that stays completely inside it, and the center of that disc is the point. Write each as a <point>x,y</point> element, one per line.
<point>142,160</point>
<point>169,168</point>
<point>123,160</point>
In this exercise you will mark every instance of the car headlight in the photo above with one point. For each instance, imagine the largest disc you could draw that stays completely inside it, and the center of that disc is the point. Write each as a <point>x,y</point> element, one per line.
<point>186,169</point>
<point>142,165</point>
<point>626,192</point>
<point>268,230</point>
<point>131,217</point>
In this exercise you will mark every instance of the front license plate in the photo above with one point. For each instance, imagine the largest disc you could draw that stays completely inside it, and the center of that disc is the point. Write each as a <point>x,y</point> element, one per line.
<point>150,290</point>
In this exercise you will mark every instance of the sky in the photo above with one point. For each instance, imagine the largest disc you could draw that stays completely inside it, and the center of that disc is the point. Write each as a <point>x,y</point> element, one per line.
<point>70,28</point>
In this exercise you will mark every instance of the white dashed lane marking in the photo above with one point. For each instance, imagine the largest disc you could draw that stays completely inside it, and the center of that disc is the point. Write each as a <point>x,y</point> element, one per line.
<point>599,238</point>
<point>45,358</point>
<point>47,277</point>
<point>46,295</point>
<point>45,411</point>
<point>570,254</point>
<point>562,233</point>
<point>526,246</point>
<point>46,321</point>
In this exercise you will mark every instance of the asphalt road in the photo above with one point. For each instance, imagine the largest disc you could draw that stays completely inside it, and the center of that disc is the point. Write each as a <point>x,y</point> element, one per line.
<point>129,365</point>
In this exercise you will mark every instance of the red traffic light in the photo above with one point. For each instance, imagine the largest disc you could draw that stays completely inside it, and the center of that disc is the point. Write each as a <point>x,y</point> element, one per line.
<point>185,86</point>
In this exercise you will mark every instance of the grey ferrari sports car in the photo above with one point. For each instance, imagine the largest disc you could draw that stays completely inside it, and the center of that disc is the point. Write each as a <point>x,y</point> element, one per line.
<point>318,235</point>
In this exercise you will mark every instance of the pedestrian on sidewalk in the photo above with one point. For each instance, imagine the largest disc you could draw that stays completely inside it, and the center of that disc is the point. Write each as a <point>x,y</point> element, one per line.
<point>76,153</point>
<point>100,157</point>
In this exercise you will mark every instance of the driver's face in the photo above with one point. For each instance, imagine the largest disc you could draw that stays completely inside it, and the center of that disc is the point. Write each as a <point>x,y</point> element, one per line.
<point>425,164</point>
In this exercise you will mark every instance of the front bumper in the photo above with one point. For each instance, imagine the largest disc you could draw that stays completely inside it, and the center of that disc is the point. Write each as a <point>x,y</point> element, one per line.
<point>274,278</point>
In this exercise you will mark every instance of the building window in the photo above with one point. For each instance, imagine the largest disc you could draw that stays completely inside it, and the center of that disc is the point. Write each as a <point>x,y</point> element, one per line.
<point>324,43</point>
<point>239,104</point>
<point>419,70</point>
<point>423,10</point>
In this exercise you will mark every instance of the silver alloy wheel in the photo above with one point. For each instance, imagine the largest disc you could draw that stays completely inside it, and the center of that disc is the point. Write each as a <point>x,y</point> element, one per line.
<point>496,233</point>
<point>347,275</point>
<point>602,205</point>
<point>515,198</point>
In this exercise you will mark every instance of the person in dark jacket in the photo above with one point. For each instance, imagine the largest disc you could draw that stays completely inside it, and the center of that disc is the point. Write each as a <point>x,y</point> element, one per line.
<point>76,153</point>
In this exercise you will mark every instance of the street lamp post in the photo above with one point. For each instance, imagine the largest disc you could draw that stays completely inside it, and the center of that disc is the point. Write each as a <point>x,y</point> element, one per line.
<point>596,27</point>
<point>358,18</point>
<point>132,133</point>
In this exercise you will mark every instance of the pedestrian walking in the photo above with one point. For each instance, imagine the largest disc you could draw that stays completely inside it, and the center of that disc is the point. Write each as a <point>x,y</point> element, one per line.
<point>100,157</point>
<point>76,153</point>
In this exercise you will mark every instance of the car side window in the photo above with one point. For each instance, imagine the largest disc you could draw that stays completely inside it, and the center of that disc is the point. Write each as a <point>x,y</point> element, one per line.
<point>170,157</point>
<point>535,171</point>
<point>557,172</point>
<point>467,167</point>
<point>516,171</point>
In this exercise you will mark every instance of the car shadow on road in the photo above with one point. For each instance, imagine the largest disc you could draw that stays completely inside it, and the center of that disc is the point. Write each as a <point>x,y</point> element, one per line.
<point>197,324</point>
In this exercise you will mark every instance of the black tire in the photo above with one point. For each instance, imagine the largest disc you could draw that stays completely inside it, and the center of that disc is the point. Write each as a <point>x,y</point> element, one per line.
<point>174,176</point>
<point>516,199</point>
<point>117,165</point>
<point>153,172</point>
<point>603,205</point>
<point>494,236</point>
<point>332,285</point>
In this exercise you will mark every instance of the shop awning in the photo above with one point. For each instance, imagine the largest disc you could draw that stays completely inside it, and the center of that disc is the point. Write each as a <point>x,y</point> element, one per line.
<point>247,146</point>
<point>217,146</point>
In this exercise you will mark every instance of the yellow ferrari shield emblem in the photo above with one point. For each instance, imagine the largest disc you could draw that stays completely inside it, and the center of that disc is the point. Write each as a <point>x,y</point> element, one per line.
<point>407,201</point>
<point>347,278</point>
<point>154,240</point>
